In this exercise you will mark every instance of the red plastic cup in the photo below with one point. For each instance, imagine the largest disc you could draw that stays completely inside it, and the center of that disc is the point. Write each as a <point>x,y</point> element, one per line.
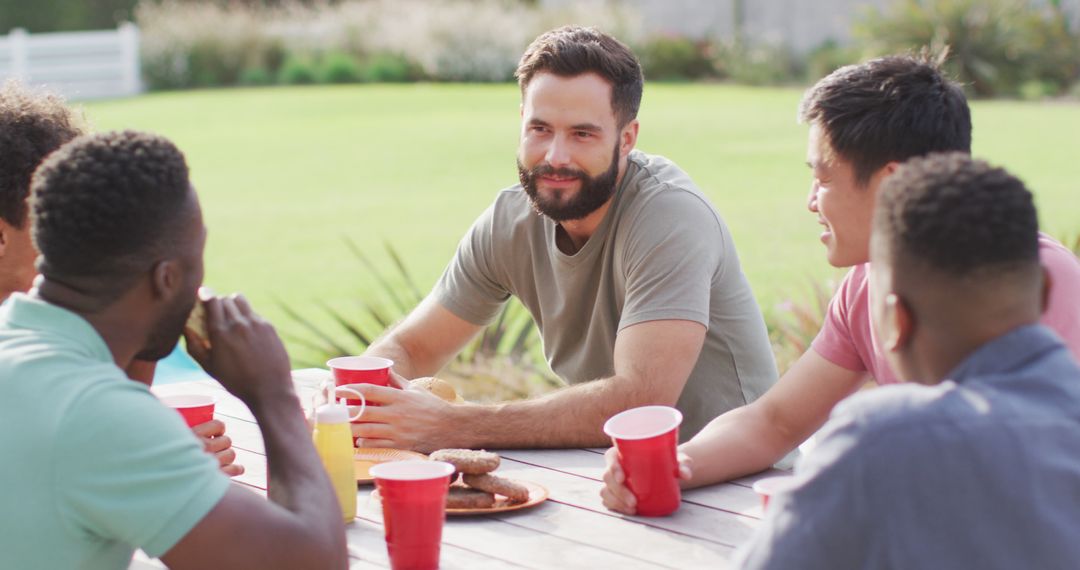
<point>413,496</point>
<point>360,370</point>
<point>770,486</point>
<point>195,408</point>
<point>646,438</point>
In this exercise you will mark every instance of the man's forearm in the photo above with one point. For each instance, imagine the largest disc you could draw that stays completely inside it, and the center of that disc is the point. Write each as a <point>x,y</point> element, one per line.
<point>296,479</point>
<point>738,443</point>
<point>571,417</point>
<point>408,363</point>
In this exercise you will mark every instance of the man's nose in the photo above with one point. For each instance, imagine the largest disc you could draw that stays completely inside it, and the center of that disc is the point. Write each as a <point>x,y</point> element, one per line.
<point>558,153</point>
<point>811,199</point>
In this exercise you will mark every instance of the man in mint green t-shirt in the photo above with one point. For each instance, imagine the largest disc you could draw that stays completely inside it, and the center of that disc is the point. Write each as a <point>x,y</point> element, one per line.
<point>94,466</point>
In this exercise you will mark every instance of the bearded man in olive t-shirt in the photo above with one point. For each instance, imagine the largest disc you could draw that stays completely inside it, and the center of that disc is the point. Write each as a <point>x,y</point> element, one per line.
<point>628,271</point>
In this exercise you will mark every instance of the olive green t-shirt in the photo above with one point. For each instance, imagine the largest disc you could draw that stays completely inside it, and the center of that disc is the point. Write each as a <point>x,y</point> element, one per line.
<point>661,252</point>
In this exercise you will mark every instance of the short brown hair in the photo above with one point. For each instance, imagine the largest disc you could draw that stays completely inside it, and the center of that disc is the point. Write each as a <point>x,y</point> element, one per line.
<point>573,50</point>
<point>32,125</point>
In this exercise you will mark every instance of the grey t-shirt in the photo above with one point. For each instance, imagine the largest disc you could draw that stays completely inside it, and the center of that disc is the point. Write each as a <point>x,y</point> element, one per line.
<point>661,252</point>
<point>980,471</point>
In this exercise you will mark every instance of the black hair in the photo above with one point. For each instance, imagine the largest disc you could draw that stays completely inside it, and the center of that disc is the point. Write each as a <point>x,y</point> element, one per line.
<point>32,125</point>
<point>106,207</point>
<point>888,109</point>
<point>958,216</point>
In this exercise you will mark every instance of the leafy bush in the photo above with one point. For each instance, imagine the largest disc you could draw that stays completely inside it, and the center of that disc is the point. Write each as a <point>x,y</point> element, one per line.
<point>297,70</point>
<point>827,58</point>
<point>996,46</point>
<point>203,43</point>
<point>337,67</point>
<point>503,363</point>
<point>794,324</point>
<point>256,75</point>
<point>758,64</point>
<point>390,68</point>
<point>186,44</point>
<point>676,58</point>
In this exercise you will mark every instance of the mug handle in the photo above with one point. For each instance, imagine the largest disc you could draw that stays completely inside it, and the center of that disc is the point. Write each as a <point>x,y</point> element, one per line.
<point>363,400</point>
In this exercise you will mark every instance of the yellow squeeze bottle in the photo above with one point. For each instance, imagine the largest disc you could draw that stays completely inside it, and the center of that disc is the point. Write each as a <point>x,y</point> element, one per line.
<point>333,441</point>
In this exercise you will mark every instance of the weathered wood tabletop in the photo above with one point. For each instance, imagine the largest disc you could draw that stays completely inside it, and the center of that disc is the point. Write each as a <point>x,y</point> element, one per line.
<point>572,529</point>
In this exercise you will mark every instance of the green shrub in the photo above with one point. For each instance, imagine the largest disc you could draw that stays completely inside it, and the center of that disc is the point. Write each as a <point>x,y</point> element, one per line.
<point>794,323</point>
<point>758,64</point>
<point>996,46</point>
<point>297,71</point>
<point>337,67</point>
<point>676,58</point>
<point>390,68</point>
<point>827,58</point>
<point>256,75</point>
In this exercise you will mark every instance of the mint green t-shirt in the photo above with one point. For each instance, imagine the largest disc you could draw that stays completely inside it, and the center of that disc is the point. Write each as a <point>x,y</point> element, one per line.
<point>92,466</point>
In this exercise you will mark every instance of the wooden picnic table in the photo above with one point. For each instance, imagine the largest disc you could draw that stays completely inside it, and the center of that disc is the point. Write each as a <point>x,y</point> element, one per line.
<point>572,529</point>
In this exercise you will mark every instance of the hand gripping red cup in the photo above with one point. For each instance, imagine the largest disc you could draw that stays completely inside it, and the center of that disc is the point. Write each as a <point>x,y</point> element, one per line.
<point>360,370</point>
<point>413,496</point>
<point>196,409</point>
<point>646,438</point>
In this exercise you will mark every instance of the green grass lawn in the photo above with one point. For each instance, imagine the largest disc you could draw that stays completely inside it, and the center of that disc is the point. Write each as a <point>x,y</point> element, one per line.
<point>285,175</point>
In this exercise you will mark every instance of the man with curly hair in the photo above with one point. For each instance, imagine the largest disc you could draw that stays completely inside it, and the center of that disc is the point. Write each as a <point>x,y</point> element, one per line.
<point>973,463</point>
<point>98,465</point>
<point>33,125</point>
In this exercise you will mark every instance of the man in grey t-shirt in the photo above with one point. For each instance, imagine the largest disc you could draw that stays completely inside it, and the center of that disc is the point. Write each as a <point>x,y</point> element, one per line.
<point>628,271</point>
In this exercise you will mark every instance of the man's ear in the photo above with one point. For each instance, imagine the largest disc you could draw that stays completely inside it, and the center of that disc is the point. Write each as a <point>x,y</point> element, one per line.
<point>165,278</point>
<point>900,323</point>
<point>628,137</point>
<point>5,236</point>
<point>1047,285</point>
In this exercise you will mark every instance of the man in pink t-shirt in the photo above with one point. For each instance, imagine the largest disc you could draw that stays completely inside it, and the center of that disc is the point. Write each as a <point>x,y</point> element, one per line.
<point>847,339</point>
<point>865,120</point>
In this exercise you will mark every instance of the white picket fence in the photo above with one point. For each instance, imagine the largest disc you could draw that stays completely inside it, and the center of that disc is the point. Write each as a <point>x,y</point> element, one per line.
<point>78,65</point>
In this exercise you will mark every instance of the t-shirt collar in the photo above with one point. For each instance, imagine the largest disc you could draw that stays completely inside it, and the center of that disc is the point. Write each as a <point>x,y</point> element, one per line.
<point>21,311</point>
<point>1005,353</point>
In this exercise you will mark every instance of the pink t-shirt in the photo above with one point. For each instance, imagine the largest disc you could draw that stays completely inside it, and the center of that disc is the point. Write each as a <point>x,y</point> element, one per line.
<point>847,339</point>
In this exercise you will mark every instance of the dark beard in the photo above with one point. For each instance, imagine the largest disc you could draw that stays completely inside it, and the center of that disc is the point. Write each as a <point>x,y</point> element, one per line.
<point>593,193</point>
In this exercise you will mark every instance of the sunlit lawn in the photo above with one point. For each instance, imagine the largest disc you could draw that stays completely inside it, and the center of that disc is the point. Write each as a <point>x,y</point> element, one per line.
<point>287,174</point>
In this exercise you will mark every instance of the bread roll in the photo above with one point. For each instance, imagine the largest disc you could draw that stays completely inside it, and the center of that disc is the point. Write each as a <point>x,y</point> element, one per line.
<point>196,324</point>
<point>440,388</point>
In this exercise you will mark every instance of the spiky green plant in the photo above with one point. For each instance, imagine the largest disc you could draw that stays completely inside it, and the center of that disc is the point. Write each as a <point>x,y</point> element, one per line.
<point>503,362</point>
<point>794,323</point>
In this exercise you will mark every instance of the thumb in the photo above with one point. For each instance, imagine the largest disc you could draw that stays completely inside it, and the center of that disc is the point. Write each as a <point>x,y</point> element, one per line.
<point>398,381</point>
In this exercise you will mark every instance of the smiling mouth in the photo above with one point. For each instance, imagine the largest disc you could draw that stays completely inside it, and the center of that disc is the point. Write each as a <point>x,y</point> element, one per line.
<point>556,178</point>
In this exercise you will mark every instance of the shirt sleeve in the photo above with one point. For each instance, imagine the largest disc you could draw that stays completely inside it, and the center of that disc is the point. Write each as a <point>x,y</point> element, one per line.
<point>822,522</point>
<point>469,286</point>
<point>836,342</point>
<point>137,473</point>
<point>1062,312</point>
<point>673,251</point>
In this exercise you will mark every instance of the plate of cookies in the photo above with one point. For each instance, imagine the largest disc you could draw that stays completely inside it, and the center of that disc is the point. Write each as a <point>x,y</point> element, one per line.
<point>476,490</point>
